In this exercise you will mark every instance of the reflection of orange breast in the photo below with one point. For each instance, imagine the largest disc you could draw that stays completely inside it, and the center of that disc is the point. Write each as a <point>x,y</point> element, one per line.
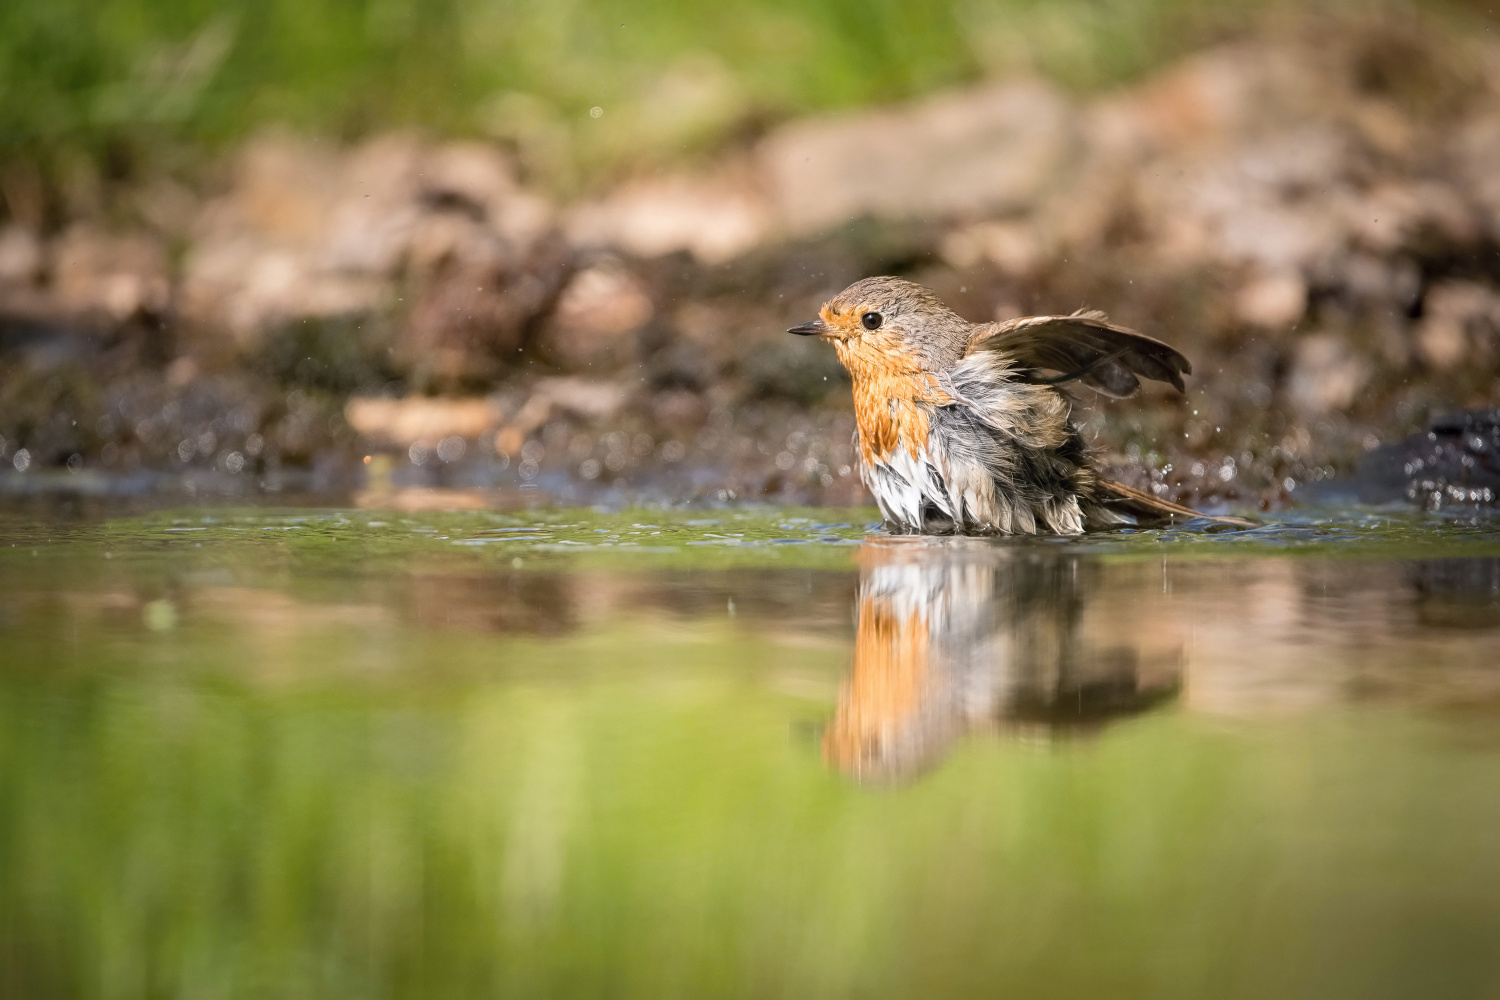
<point>893,396</point>
<point>891,662</point>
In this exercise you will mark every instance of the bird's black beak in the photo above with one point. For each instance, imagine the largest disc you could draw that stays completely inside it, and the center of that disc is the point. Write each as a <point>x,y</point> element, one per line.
<point>814,329</point>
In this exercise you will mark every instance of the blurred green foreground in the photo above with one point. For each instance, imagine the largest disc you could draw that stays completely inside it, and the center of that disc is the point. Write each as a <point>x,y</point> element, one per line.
<point>279,774</point>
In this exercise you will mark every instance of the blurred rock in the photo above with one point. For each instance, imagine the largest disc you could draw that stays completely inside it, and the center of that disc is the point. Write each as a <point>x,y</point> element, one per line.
<point>989,148</point>
<point>715,217</point>
<point>248,287</point>
<point>481,179</point>
<point>20,256</point>
<point>1396,215</point>
<point>1460,325</point>
<point>1326,374</point>
<point>1475,149</point>
<point>1231,89</point>
<point>597,313</point>
<point>285,243</point>
<point>117,276</point>
<point>592,399</point>
<point>473,174</point>
<point>1272,301</point>
<point>307,231</point>
<point>406,421</point>
<point>471,313</point>
<point>1251,204</point>
<point>798,369</point>
<point>1014,248</point>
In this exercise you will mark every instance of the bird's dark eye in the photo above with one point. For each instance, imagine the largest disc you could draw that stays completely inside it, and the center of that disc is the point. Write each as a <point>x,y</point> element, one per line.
<point>871,320</point>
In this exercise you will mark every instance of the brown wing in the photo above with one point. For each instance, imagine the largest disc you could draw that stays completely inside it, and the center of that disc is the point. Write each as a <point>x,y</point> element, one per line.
<point>1084,346</point>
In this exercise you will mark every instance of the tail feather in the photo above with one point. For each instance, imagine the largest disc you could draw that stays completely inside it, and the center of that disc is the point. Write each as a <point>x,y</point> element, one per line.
<point>1145,507</point>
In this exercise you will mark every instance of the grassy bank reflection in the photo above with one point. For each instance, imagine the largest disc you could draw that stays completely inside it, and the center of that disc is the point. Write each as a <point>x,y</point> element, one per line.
<point>265,778</point>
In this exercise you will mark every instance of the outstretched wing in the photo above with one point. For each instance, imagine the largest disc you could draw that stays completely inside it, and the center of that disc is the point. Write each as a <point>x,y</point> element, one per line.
<point>1085,347</point>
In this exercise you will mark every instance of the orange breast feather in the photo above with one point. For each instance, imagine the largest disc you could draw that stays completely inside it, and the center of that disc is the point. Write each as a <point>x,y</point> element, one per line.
<point>892,396</point>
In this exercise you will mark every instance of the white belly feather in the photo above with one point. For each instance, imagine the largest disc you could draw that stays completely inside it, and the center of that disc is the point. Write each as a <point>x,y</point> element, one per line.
<point>913,490</point>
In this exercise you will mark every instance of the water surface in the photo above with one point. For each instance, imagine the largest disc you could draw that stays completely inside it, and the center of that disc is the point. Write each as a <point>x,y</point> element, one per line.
<point>274,752</point>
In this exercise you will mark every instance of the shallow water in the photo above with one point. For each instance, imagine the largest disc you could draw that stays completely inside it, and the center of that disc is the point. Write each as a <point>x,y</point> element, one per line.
<point>271,752</point>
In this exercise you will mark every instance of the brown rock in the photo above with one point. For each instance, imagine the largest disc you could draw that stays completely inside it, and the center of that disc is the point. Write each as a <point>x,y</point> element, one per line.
<point>1246,204</point>
<point>1231,90</point>
<point>442,238</point>
<point>1326,375</point>
<point>471,172</point>
<point>1015,248</point>
<point>418,418</point>
<point>714,217</point>
<point>989,148</point>
<point>21,256</point>
<point>1460,324</point>
<point>1475,151</point>
<point>283,186</point>
<point>115,276</point>
<point>1398,214</point>
<point>480,178</point>
<point>470,319</point>
<point>247,286</point>
<point>596,316</point>
<point>299,235</point>
<point>1272,301</point>
<point>590,399</point>
<point>309,231</point>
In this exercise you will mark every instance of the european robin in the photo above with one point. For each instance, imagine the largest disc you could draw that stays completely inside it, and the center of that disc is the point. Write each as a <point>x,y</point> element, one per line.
<point>959,432</point>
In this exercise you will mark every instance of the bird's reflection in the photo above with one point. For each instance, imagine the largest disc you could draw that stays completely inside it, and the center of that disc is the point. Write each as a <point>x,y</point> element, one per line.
<point>957,635</point>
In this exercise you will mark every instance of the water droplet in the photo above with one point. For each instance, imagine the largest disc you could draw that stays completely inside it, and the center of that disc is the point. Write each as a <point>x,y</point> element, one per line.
<point>451,448</point>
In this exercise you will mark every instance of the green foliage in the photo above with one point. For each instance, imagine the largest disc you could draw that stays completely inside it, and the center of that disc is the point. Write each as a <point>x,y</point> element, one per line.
<point>123,80</point>
<point>666,73</point>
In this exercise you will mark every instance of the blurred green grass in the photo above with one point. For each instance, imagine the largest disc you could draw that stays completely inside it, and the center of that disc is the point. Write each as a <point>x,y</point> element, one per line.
<point>669,75</point>
<point>122,81</point>
<point>629,813</point>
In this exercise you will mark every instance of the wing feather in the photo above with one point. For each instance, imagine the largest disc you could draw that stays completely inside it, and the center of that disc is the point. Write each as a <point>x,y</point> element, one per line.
<point>1085,347</point>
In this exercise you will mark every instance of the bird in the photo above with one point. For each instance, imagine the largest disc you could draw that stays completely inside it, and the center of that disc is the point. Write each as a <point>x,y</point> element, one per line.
<point>960,432</point>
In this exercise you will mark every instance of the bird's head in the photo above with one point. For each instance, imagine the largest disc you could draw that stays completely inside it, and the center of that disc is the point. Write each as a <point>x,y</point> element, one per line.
<point>890,315</point>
